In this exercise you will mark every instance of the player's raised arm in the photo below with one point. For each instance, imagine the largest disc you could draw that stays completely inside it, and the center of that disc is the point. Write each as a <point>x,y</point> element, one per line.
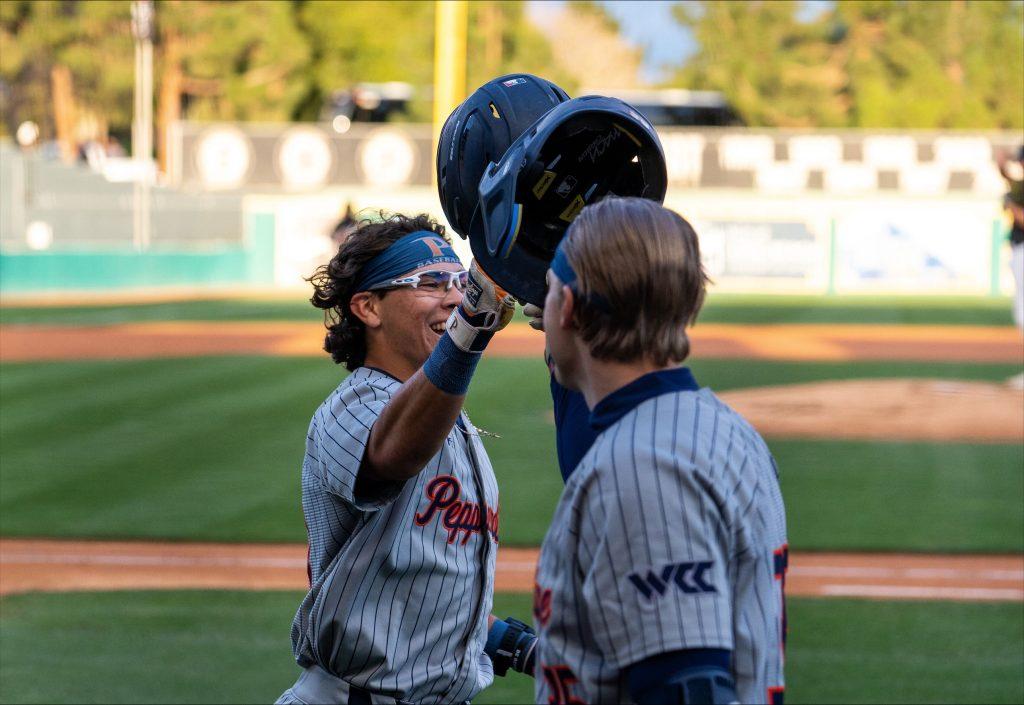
<point>414,424</point>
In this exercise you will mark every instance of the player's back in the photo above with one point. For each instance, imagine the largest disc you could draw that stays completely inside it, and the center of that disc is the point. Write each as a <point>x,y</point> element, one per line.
<point>676,523</point>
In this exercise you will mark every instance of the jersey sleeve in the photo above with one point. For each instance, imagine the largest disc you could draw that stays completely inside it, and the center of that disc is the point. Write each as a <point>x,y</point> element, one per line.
<point>653,547</point>
<point>338,438</point>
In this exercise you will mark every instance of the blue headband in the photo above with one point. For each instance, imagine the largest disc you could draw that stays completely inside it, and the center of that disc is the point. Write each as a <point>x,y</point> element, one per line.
<point>567,275</point>
<point>561,267</point>
<point>413,251</point>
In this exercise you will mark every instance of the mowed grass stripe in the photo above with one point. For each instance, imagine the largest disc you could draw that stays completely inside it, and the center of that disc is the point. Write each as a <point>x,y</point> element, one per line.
<point>233,647</point>
<point>720,308</point>
<point>211,448</point>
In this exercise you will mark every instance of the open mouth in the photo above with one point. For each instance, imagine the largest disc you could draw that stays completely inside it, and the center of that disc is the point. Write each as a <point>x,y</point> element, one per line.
<point>438,328</point>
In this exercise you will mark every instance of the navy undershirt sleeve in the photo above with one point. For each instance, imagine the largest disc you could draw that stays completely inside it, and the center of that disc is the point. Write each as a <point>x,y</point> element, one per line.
<point>658,669</point>
<point>573,434</point>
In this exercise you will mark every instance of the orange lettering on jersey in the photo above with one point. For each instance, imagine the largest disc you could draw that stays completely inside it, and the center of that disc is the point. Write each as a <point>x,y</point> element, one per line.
<point>457,516</point>
<point>541,604</point>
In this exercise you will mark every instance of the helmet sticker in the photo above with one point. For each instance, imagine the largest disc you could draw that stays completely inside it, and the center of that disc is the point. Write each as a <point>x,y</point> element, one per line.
<point>566,187</point>
<point>573,209</point>
<point>543,183</point>
<point>513,82</point>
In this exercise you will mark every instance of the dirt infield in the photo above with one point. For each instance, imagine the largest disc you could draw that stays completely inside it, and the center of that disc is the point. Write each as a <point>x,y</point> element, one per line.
<point>885,409</point>
<point>56,566</point>
<point>870,409</point>
<point>21,343</point>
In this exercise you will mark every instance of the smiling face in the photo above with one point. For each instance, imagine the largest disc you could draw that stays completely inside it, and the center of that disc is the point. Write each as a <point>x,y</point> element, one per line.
<point>409,323</point>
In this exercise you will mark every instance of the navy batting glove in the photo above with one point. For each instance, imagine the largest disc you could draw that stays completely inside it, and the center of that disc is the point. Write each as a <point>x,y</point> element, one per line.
<point>511,644</point>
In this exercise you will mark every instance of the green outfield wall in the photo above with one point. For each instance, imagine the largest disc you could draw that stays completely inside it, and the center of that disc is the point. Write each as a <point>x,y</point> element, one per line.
<point>248,264</point>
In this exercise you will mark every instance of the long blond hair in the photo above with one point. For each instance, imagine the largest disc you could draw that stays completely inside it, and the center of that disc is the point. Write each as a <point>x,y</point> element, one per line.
<point>640,279</point>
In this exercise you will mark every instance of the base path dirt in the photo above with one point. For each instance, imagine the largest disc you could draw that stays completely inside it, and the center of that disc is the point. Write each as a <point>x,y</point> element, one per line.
<point>885,409</point>
<point>28,565</point>
<point>22,343</point>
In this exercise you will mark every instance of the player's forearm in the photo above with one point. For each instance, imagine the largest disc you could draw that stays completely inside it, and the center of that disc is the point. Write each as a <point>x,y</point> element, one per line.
<point>411,429</point>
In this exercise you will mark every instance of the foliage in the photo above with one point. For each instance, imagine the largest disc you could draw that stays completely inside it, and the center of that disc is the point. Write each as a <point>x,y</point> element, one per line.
<point>92,38</point>
<point>522,48</point>
<point>260,60</point>
<point>872,64</point>
<point>856,64</point>
<point>251,57</point>
<point>587,45</point>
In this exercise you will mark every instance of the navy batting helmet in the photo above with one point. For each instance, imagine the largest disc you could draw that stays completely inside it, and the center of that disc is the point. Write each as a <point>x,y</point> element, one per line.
<point>479,131</point>
<point>579,152</point>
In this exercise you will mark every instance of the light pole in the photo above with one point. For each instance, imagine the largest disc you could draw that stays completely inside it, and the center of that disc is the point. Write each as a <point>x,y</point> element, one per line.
<point>450,19</point>
<point>142,123</point>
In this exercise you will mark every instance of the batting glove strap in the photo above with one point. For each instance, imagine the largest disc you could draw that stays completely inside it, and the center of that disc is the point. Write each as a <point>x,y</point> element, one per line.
<point>469,333</point>
<point>511,644</point>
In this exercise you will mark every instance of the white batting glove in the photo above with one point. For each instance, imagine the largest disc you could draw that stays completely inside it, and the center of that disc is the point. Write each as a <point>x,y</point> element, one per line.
<point>486,308</point>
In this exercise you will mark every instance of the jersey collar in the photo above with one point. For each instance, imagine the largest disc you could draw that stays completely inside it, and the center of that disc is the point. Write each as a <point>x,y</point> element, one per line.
<point>624,399</point>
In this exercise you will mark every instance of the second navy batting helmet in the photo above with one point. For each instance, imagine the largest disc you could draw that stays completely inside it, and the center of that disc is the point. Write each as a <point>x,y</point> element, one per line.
<point>578,153</point>
<point>479,131</point>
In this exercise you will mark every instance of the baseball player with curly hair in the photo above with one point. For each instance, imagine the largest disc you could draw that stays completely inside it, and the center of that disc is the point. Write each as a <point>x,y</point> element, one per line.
<point>399,497</point>
<point>661,578</point>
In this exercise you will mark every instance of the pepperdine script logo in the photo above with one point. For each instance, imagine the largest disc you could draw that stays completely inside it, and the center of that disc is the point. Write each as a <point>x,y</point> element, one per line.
<point>457,516</point>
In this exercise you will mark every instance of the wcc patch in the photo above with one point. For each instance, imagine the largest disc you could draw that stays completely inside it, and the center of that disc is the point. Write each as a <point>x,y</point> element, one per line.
<point>687,577</point>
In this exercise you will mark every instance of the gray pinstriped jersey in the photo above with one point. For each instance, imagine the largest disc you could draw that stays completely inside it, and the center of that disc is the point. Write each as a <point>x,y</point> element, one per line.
<point>401,584</point>
<point>670,535</point>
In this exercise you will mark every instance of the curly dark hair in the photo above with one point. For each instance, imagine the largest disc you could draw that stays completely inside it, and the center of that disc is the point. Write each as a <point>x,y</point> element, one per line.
<point>334,282</point>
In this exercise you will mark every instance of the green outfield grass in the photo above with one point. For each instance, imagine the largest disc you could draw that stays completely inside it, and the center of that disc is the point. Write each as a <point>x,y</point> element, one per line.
<point>720,308</point>
<point>210,449</point>
<point>233,647</point>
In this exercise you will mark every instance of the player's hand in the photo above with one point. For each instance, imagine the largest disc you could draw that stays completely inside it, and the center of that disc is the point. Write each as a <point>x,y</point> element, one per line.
<point>511,644</point>
<point>536,316</point>
<point>486,308</point>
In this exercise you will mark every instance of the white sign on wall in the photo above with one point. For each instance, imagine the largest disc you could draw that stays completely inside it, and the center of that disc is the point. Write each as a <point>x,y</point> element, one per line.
<point>920,251</point>
<point>223,155</point>
<point>387,158</point>
<point>758,250</point>
<point>304,158</point>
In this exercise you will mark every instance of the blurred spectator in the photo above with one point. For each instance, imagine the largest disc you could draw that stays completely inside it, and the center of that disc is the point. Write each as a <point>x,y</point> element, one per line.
<point>92,153</point>
<point>115,148</point>
<point>345,226</point>
<point>1013,171</point>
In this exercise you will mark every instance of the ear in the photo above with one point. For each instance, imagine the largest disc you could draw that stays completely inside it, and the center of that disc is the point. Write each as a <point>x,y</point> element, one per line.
<point>565,308</point>
<point>366,308</point>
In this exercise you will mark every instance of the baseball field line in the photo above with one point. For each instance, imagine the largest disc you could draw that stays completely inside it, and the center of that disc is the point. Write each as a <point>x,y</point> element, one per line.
<point>58,566</point>
<point>824,342</point>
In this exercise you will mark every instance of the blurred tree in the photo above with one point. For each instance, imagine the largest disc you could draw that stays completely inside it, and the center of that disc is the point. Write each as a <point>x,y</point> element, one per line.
<point>229,61</point>
<point>589,48</point>
<point>769,64</point>
<point>932,64</point>
<point>91,41</point>
<point>358,42</point>
<point>862,63</point>
<point>503,39</point>
<point>225,60</point>
<point>349,46</point>
<point>241,60</point>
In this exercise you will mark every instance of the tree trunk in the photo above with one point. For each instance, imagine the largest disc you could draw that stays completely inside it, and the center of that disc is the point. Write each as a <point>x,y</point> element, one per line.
<point>169,102</point>
<point>64,112</point>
